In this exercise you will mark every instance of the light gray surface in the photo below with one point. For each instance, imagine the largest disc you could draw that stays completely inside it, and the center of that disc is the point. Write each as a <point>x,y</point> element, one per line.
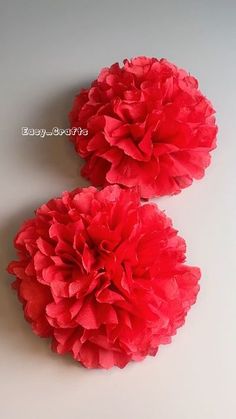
<point>49,49</point>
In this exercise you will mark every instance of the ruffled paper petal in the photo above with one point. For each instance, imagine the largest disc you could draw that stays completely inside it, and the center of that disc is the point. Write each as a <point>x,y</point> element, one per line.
<point>103,276</point>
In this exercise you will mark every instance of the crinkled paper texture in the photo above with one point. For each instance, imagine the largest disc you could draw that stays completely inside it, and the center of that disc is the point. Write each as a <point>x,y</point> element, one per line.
<point>148,126</point>
<point>103,276</point>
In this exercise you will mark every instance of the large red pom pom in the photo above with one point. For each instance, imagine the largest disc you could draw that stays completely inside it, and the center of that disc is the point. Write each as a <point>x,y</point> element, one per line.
<point>103,276</point>
<point>148,126</point>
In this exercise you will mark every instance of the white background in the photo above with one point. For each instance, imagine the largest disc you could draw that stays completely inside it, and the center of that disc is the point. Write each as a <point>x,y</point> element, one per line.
<point>49,50</point>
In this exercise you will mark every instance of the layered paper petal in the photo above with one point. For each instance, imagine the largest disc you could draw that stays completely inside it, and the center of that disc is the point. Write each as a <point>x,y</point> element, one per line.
<point>148,126</point>
<point>103,276</point>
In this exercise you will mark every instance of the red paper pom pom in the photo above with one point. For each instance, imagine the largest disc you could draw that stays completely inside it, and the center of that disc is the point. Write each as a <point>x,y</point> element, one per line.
<point>148,126</point>
<point>103,276</point>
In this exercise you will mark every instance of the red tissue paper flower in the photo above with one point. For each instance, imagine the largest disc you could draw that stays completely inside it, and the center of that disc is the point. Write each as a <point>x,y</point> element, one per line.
<point>103,276</point>
<point>148,126</point>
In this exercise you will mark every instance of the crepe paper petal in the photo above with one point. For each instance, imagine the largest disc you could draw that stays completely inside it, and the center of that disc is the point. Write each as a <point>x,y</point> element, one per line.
<point>148,125</point>
<point>115,288</point>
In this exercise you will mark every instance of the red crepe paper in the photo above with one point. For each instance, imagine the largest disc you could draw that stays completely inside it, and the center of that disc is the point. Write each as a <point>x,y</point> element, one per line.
<point>103,276</point>
<point>148,126</point>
